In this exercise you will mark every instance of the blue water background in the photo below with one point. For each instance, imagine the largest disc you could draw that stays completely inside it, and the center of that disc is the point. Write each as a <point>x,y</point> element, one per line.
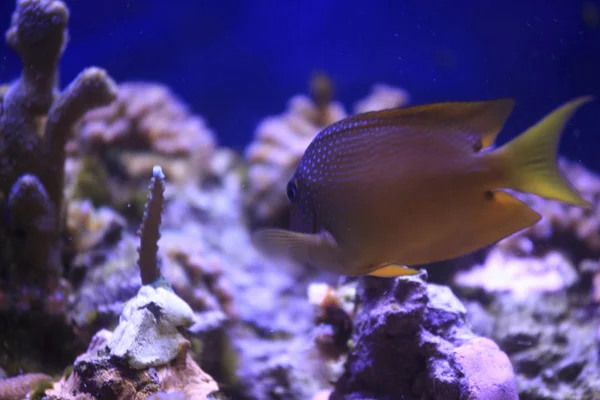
<point>237,61</point>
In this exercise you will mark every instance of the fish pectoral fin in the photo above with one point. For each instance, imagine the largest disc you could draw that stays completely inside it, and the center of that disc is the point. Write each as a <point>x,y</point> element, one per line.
<point>392,270</point>
<point>319,249</point>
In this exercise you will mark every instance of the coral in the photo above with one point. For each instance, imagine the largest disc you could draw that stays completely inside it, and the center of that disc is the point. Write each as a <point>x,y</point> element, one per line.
<point>280,141</point>
<point>147,125</point>
<point>111,278</point>
<point>18,387</point>
<point>147,352</point>
<point>89,227</point>
<point>149,231</point>
<point>195,271</point>
<point>97,375</point>
<point>382,97</point>
<point>35,124</point>
<point>419,332</point>
<point>145,116</point>
<point>522,276</point>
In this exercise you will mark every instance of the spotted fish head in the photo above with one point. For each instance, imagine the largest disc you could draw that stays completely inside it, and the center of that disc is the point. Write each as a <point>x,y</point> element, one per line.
<point>303,217</point>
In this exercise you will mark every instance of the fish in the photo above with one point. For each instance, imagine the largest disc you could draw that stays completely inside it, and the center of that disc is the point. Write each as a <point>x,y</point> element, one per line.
<point>381,192</point>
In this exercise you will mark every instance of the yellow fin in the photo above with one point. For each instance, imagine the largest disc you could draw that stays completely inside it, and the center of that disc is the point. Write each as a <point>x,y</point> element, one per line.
<point>497,217</point>
<point>531,157</point>
<point>319,249</point>
<point>392,270</point>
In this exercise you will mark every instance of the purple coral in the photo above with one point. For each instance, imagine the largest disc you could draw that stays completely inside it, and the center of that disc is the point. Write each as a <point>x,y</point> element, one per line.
<point>35,123</point>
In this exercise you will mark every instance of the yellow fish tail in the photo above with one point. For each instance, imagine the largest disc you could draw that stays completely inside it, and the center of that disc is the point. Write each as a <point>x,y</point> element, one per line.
<point>531,161</point>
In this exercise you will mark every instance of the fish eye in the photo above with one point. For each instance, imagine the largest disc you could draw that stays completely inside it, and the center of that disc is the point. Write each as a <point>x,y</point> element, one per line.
<point>292,191</point>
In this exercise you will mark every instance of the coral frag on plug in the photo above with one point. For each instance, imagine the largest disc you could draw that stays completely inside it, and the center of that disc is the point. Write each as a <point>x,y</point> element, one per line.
<point>147,353</point>
<point>35,123</point>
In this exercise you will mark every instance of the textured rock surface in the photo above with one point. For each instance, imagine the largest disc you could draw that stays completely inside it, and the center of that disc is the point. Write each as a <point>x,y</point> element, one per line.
<point>411,341</point>
<point>148,331</point>
<point>551,340</point>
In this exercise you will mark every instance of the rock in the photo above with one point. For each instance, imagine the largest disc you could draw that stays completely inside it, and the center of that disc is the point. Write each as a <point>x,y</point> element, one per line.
<point>411,341</point>
<point>147,334</point>
<point>145,355</point>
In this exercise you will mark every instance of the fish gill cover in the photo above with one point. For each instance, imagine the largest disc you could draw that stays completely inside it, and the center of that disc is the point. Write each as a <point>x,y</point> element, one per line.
<point>111,288</point>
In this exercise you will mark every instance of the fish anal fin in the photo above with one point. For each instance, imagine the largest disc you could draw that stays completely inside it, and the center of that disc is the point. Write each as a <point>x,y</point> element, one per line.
<point>392,270</point>
<point>502,216</point>
<point>497,217</point>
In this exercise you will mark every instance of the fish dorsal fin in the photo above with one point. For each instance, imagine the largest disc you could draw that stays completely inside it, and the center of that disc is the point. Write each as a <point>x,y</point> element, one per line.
<point>318,249</point>
<point>479,121</point>
<point>392,270</point>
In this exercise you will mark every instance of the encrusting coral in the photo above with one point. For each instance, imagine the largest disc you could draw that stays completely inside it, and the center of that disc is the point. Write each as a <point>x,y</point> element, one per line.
<point>280,141</point>
<point>35,124</point>
<point>147,353</point>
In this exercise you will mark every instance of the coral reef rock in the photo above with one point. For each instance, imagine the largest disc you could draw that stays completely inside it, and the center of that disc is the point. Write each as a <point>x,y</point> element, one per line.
<point>147,334</point>
<point>411,341</point>
<point>145,354</point>
<point>550,338</point>
<point>118,145</point>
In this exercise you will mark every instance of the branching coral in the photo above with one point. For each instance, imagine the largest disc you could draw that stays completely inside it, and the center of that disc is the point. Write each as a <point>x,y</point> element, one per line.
<point>35,124</point>
<point>149,231</point>
<point>280,142</point>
